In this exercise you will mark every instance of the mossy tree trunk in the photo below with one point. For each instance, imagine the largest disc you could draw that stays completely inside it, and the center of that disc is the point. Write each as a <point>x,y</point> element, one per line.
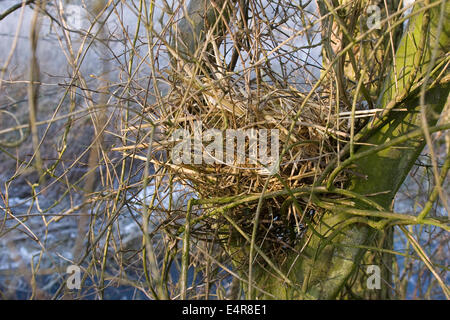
<point>336,255</point>
<point>344,19</point>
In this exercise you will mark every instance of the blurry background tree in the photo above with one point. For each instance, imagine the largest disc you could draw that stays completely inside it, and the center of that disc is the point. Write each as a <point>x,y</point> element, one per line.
<point>358,90</point>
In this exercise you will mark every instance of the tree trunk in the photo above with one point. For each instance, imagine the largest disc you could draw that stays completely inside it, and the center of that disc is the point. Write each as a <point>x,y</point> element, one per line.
<point>335,259</point>
<point>383,172</point>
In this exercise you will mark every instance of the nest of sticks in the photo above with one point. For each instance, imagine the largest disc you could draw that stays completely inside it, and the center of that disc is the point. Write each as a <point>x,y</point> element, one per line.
<point>309,129</point>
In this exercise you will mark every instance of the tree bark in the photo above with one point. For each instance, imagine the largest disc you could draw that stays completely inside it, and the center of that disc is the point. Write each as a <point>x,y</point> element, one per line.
<point>384,171</point>
<point>335,259</point>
